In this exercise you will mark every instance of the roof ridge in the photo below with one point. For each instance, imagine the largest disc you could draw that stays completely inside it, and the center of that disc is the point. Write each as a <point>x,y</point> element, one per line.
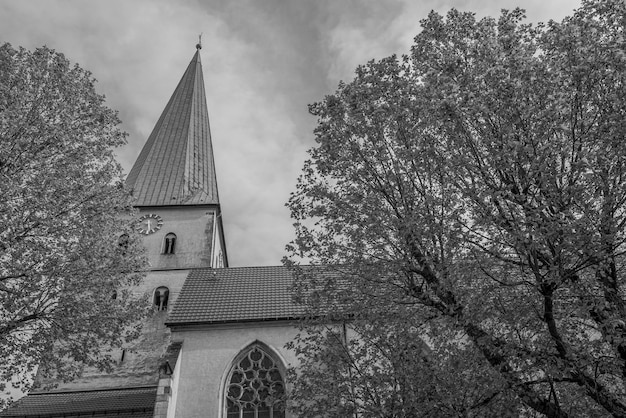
<point>92,390</point>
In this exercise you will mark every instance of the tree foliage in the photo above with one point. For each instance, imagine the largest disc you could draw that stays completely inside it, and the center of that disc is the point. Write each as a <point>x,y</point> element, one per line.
<point>62,213</point>
<point>473,194</point>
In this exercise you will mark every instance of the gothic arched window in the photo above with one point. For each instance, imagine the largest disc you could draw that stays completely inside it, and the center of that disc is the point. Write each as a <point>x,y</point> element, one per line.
<point>170,243</point>
<point>161,296</point>
<point>255,386</point>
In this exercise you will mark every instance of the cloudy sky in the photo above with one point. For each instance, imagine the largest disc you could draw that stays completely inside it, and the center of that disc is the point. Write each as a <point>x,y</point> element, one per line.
<point>263,61</point>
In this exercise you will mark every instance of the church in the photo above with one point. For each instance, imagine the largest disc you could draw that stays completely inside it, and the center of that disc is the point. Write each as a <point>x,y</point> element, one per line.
<point>214,346</point>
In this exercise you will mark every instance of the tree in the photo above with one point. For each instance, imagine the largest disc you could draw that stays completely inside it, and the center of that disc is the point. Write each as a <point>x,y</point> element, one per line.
<point>67,254</point>
<point>476,191</point>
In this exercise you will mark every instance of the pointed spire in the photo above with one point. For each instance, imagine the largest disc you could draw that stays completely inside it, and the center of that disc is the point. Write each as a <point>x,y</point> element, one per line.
<point>176,165</point>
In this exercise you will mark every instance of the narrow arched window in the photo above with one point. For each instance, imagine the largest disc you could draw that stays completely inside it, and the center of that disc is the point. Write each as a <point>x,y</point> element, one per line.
<point>123,241</point>
<point>255,386</point>
<point>170,244</point>
<point>161,296</point>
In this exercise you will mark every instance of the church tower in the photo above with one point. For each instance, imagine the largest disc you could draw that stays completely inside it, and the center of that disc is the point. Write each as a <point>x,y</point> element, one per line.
<point>175,185</point>
<point>215,344</point>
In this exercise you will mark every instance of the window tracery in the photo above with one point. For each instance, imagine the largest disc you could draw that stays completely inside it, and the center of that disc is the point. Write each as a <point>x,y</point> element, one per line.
<point>255,388</point>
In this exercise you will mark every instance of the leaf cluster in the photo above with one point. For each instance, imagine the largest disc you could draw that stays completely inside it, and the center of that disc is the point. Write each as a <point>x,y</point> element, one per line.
<point>477,190</point>
<point>64,208</point>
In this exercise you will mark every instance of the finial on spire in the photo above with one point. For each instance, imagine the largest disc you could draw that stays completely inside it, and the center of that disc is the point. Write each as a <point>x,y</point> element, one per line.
<point>199,44</point>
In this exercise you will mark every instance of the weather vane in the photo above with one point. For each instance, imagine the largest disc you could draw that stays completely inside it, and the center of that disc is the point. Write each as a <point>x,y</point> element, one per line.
<point>199,44</point>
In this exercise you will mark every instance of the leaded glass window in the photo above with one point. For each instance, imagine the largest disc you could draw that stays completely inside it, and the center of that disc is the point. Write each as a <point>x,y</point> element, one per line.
<point>256,388</point>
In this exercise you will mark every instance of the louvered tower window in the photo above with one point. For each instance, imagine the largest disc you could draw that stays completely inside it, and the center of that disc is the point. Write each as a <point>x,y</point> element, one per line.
<point>255,387</point>
<point>123,242</point>
<point>161,296</point>
<point>169,244</point>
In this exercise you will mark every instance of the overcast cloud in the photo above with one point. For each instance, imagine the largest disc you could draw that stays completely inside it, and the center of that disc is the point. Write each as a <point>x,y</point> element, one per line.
<point>264,61</point>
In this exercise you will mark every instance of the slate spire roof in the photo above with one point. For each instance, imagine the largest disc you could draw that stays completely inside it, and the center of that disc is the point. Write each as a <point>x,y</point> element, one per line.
<point>176,165</point>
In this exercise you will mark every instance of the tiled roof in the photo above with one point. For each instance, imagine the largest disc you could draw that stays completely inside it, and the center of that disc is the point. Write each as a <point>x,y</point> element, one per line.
<point>241,294</point>
<point>129,402</point>
<point>117,414</point>
<point>176,166</point>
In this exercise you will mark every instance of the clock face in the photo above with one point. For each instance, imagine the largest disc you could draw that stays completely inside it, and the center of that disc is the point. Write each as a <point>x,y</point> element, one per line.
<point>149,223</point>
